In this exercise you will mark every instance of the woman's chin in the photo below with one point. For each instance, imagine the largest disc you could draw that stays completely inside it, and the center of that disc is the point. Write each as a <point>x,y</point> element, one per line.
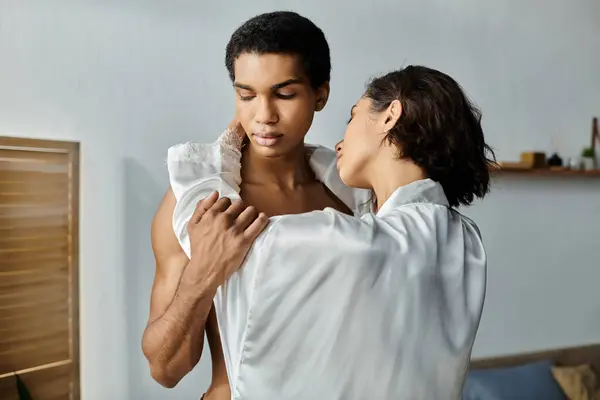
<point>352,179</point>
<point>345,177</point>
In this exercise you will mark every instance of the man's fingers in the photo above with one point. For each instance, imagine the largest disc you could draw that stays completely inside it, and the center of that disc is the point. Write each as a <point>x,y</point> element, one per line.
<point>209,201</point>
<point>222,204</point>
<point>256,227</point>
<point>203,205</point>
<point>247,216</point>
<point>235,209</point>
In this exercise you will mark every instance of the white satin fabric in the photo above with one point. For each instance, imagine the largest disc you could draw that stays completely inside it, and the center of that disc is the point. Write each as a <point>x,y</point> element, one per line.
<point>329,306</point>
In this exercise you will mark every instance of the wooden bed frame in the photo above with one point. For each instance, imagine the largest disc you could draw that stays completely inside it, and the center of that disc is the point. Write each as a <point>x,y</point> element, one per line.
<point>567,356</point>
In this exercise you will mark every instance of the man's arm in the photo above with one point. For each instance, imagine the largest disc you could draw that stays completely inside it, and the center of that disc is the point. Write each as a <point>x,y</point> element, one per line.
<point>183,290</point>
<point>180,311</point>
<point>174,337</point>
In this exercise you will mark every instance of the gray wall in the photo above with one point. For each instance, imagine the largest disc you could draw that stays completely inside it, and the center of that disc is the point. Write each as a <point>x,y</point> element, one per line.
<point>129,78</point>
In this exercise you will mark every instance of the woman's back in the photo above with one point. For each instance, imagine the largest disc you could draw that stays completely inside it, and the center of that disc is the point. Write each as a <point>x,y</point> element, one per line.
<point>381,307</point>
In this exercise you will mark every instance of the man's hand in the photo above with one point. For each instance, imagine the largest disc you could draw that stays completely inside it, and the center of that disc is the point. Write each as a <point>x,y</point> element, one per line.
<point>221,233</point>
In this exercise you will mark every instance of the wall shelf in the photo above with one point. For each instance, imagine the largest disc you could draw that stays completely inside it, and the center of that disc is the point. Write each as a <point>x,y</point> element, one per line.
<point>555,172</point>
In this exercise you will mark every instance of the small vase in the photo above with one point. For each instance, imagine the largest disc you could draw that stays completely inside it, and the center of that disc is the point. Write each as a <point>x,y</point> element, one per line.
<point>588,163</point>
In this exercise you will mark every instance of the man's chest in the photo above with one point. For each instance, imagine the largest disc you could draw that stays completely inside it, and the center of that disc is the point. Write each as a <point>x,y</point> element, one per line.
<point>306,198</point>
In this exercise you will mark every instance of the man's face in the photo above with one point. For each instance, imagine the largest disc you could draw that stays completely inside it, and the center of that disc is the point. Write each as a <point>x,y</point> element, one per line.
<point>275,102</point>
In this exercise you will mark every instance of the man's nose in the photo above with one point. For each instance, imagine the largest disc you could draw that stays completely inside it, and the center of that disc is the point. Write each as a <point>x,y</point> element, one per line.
<point>266,112</point>
<point>338,146</point>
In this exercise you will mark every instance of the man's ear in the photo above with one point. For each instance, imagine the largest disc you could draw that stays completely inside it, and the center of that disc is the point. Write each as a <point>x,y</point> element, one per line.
<point>322,95</point>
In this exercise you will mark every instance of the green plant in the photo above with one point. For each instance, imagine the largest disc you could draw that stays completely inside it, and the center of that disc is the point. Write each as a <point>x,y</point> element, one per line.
<point>22,390</point>
<point>588,152</point>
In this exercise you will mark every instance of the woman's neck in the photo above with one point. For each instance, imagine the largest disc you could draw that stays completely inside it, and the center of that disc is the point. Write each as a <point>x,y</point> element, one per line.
<point>385,182</point>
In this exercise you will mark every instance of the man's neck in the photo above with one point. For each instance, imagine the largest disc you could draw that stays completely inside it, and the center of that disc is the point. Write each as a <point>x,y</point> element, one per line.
<point>287,171</point>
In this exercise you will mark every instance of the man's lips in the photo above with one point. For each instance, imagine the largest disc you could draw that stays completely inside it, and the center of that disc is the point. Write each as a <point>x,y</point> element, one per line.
<point>266,135</point>
<point>267,139</point>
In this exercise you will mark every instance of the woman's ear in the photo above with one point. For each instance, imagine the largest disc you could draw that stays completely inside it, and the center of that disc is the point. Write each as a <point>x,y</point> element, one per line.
<point>322,95</point>
<point>393,114</point>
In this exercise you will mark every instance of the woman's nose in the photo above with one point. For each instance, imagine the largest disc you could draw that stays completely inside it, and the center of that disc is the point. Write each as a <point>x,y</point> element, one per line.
<point>338,146</point>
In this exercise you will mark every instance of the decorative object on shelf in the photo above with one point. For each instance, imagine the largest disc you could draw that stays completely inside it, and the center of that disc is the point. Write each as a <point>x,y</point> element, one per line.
<point>529,160</point>
<point>555,161</point>
<point>536,159</point>
<point>595,137</point>
<point>588,158</point>
<point>595,133</point>
<point>574,163</point>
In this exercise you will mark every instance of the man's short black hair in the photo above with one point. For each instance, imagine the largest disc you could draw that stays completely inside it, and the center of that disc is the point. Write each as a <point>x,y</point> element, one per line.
<point>439,130</point>
<point>283,32</point>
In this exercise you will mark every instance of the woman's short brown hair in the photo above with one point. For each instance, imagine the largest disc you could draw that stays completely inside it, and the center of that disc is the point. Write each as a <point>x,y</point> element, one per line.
<point>439,130</point>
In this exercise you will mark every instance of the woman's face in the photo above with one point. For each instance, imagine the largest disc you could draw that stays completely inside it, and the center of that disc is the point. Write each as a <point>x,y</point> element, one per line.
<point>361,145</point>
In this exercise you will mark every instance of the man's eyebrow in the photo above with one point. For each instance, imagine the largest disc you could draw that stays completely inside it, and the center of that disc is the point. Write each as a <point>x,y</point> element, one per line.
<point>242,86</point>
<point>273,87</point>
<point>286,83</point>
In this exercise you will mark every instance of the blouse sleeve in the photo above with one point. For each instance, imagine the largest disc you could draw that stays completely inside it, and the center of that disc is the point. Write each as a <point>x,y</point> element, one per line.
<point>196,170</point>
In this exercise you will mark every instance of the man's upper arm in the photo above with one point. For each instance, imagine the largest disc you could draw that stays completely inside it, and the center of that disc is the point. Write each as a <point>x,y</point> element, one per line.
<point>195,171</point>
<point>169,256</point>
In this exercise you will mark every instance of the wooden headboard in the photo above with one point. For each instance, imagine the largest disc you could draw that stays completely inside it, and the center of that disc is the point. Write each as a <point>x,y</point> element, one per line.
<point>568,356</point>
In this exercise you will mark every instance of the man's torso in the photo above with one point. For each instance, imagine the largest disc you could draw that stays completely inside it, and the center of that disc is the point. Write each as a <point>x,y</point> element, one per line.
<point>304,198</point>
<point>308,197</point>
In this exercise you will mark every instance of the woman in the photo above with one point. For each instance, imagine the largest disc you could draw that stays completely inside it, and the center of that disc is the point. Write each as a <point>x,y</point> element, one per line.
<point>385,306</point>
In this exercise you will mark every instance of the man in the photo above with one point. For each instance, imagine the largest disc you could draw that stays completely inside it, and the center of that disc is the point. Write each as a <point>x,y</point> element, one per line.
<point>280,67</point>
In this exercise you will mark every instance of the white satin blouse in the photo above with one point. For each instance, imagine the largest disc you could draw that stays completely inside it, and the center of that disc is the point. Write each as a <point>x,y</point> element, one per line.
<point>328,306</point>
